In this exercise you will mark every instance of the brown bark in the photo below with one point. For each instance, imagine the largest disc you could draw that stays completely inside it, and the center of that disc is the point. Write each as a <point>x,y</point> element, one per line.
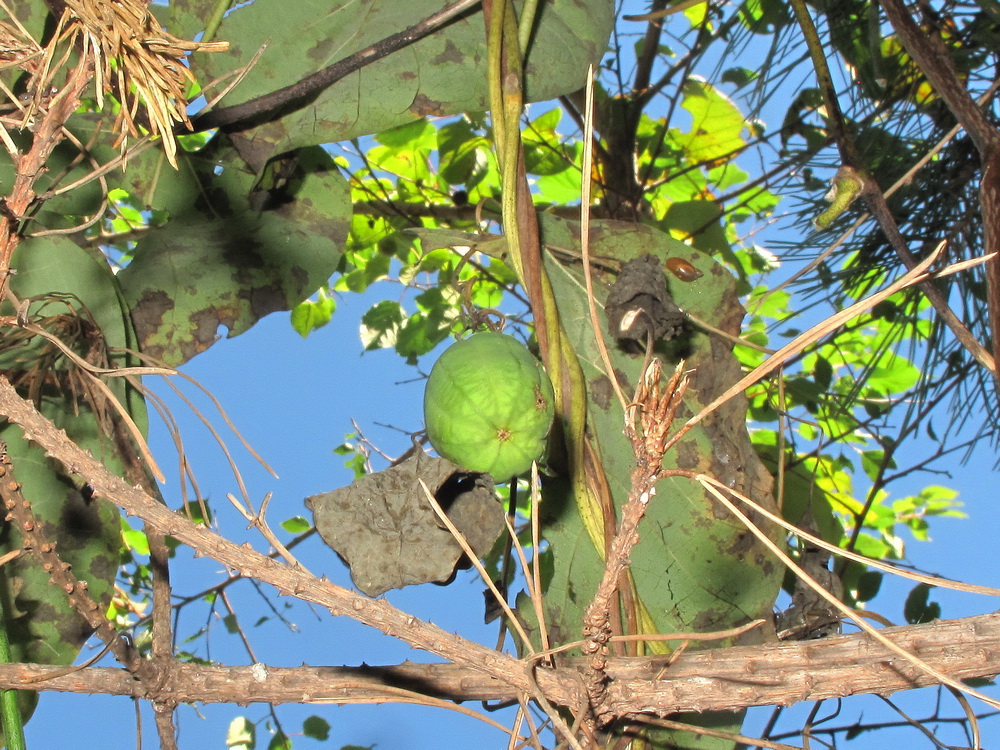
<point>777,674</point>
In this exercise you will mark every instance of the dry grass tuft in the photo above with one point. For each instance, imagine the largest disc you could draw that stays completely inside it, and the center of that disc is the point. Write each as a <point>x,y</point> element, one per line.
<point>139,63</point>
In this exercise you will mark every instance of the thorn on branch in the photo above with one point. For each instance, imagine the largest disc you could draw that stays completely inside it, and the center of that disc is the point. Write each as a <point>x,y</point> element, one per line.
<point>38,544</point>
<point>647,425</point>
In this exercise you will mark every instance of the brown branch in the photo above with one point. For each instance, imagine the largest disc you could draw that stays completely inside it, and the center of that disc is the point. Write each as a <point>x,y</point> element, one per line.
<point>875,199</point>
<point>719,679</point>
<point>159,559</point>
<point>933,57</point>
<point>274,104</point>
<point>779,674</point>
<point>647,423</point>
<point>339,601</point>
<point>29,166</point>
<point>36,542</point>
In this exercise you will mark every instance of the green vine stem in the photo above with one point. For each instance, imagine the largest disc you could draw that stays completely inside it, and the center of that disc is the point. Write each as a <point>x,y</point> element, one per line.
<point>13,727</point>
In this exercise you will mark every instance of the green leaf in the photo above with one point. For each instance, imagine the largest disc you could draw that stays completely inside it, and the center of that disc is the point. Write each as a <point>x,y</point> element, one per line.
<point>823,372</point>
<point>316,727</point>
<point>135,540</point>
<point>463,154</point>
<point>893,375</point>
<point>296,525</point>
<point>739,77</point>
<point>918,608</point>
<point>978,682</point>
<point>227,264</point>
<point>242,734</point>
<point>311,315</point>
<point>197,512</point>
<point>380,325</point>
<point>717,130</point>
<point>700,222</point>
<point>442,74</point>
<point>563,186</point>
<point>764,16</point>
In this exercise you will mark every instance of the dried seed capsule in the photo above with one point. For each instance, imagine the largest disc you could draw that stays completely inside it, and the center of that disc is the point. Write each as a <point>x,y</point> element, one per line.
<point>683,270</point>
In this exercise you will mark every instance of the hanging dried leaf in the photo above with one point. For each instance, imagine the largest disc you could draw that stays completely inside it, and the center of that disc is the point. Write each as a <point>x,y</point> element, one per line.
<point>386,531</point>
<point>639,304</point>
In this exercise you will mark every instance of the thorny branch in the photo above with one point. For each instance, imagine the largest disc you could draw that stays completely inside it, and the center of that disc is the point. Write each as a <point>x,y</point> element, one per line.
<point>715,679</point>
<point>151,674</point>
<point>339,601</point>
<point>18,510</point>
<point>30,165</point>
<point>647,424</point>
<point>780,673</point>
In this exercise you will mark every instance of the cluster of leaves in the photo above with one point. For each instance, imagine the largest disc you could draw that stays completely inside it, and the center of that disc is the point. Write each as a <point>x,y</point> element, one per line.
<point>839,422</point>
<point>417,205</point>
<point>839,397</point>
<point>242,734</point>
<point>416,176</point>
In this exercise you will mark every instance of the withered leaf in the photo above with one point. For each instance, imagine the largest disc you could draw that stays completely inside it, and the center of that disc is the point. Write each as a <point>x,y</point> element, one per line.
<point>639,303</point>
<point>386,531</point>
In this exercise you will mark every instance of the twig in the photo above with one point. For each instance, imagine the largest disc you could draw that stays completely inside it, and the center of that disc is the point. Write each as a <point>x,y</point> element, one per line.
<point>647,422</point>
<point>588,160</point>
<point>376,613</point>
<point>163,651</point>
<point>29,166</point>
<point>474,559</point>
<point>270,105</point>
<point>535,577</point>
<point>715,635</point>
<point>19,511</point>
<point>92,371</point>
<point>257,521</point>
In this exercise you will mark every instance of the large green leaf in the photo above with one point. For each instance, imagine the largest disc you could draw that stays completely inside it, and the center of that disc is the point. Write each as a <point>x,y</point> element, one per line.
<point>236,248</point>
<point>695,568</point>
<point>63,280</point>
<point>444,73</point>
<point>717,124</point>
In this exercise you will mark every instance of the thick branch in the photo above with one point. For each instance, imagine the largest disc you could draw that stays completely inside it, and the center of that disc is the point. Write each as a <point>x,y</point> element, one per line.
<point>718,679</point>
<point>252,564</point>
<point>933,57</point>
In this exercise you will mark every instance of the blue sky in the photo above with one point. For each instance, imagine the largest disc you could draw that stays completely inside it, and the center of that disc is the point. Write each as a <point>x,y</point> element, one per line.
<point>294,399</point>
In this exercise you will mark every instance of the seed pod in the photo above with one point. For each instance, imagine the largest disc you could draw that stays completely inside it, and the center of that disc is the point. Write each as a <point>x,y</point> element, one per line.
<point>683,270</point>
<point>488,405</point>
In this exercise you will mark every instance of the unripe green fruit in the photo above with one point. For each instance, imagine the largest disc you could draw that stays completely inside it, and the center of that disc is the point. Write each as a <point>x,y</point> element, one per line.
<point>488,405</point>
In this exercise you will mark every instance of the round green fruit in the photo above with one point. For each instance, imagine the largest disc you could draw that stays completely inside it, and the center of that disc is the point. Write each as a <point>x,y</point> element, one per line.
<point>488,405</point>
